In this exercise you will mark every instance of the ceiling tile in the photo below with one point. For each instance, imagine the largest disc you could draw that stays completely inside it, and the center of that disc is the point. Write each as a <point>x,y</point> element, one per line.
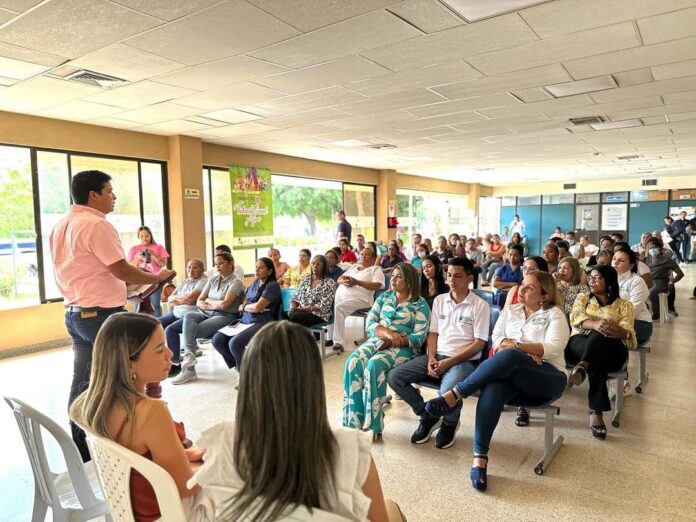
<point>624,79</point>
<point>19,70</point>
<point>6,16</point>
<point>536,77</point>
<point>600,109</point>
<point>570,16</point>
<point>680,97</point>
<point>77,110</point>
<point>221,72</point>
<point>533,94</point>
<point>28,55</point>
<point>124,61</point>
<point>173,127</point>
<point>368,121</point>
<point>225,30</point>
<point>557,49</point>
<point>454,44</point>
<point>229,96</point>
<point>438,121</point>
<point>646,89</point>
<point>157,113</point>
<point>668,26</point>
<point>230,116</point>
<point>466,104</point>
<point>431,76</point>
<point>672,109</point>
<point>41,92</point>
<point>530,109</point>
<point>167,9</point>
<point>138,95</point>
<point>430,16</point>
<point>312,100</point>
<point>674,70</point>
<point>634,58</point>
<point>113,122</point>
<point>303,118</point>
<point>337,72</point>
<point>75,27</point>
<point>241,129</point>
<point>18,6</point>
<point>7,81</point>
<point>342,39</point>
<point>312,129</point>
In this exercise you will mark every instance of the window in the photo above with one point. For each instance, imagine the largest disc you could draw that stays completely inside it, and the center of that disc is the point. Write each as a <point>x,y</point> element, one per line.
<point>359,205</point>
<point>559,199</point>
<point>432,214</point>
<point>19,281</point>
<point>489,214</point>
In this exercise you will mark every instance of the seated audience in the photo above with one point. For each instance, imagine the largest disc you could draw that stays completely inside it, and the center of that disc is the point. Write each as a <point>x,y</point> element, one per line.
<point>576,249</point>
<point>280,266</point>
<point>515,239</point>
<point>294,275</point>
<point>476,257</point>
<point>569,282</point>
<point>589,248</point>
<point>460,249</point>
<point>432,282</point>
<point>184,297</point>
<point>602,335</point>
<point>551,255</point>
<point>347,255</point>
<point>494,258</point>
<point>396,327</point>
<point>443,251</point>
<point>262,301</point>
<point>313,302</point>
<point>642,248</point>
<point>356,290</point>
<point>421,253</point>
<point>603,257</point>
<point>335,271</point>
<point>224,249</point>
<point>505,235</point>
<point>217,305</point>
<point>129,353</point>
<point>642,268</point>
<point>563,248</point>
<point>509,274</point>
<point>295,467</point>
<point>459,324</point>
<point>632,288</point>
<point>557,233</point>
<point>416,239</point>
<point>378,250</point>
<point>529,338</point>
<point>616,237</point>
<point>531,264</point>
<point>360,239</point>
<point>452,240</point>
<point>150,257</point>
<point>429,243</point>
<point>392,258</point>
<point>665,273</point>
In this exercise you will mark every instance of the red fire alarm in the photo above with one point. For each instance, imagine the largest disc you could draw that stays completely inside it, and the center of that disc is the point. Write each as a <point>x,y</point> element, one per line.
<point>392,222</point>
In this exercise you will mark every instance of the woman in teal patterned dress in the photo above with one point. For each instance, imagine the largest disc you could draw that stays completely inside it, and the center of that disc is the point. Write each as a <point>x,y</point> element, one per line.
<point>397,326</point>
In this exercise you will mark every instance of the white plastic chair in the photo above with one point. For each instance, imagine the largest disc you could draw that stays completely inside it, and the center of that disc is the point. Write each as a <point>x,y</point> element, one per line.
<point>72,495</point>
<point>114,463</point>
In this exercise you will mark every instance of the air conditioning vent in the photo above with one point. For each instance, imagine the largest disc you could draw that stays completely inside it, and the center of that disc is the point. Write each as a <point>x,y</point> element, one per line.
<point>569,186</point>
<point>587,120</point>
<point>629,157</point>
<point>93,78</point>
<point>380,146</point>
<point>649,182</point>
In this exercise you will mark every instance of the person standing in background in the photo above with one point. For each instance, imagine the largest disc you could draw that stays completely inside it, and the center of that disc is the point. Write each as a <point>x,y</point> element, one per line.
<point>91,272</point>
<point>150,257</point>
<point>344,229</point>
<point>681,225</point>
<point>517,225</point>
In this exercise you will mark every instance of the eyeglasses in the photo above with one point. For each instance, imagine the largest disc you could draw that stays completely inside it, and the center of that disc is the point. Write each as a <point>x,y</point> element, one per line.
<point>529,269</point>
<point>595,278</point>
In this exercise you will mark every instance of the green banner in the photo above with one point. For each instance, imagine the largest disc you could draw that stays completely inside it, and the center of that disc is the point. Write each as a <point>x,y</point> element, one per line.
<point>252,207</point>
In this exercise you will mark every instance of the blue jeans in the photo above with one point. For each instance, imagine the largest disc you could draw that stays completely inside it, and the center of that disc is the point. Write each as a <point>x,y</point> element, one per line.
<point>167,319</point>
<point>155,301</point>
<point>232,348</point>
<point>416,370</point>
<point>83,331</point>
<point>643,329</point>
<point>499,379</point>
<point>193,326</point>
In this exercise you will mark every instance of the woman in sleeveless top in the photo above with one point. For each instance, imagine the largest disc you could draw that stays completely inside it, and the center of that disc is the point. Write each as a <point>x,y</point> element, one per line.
<point>130,352</point>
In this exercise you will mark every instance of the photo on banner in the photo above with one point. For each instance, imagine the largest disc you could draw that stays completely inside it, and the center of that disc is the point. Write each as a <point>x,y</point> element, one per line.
<point>252,207</point>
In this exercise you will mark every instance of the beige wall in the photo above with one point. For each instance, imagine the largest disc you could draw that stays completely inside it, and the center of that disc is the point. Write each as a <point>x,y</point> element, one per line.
<point>673,182</point>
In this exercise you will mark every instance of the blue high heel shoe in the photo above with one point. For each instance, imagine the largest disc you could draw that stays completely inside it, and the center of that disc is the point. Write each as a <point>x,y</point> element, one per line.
<point>479,479</point>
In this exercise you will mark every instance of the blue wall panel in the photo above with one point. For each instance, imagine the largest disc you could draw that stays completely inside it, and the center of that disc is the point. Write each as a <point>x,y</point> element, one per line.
<point>645,216</point>
<point>507,214</point>
<point>556,216</point>
<point>531,215</point>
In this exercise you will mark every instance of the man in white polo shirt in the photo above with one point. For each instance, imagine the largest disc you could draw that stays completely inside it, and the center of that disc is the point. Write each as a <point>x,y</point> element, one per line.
<point>459,324</point>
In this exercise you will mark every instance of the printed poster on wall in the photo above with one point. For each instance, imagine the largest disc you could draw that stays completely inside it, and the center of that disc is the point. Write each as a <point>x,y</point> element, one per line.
<point>614,217</point>
<point>252,207</point>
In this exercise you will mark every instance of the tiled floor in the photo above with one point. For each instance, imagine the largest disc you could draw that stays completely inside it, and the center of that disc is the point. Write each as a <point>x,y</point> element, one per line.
<point>645,470</point>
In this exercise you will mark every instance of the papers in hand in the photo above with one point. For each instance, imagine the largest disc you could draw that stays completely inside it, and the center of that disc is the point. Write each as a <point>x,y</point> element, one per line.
<point>137,293</point>
<point>234,329</point>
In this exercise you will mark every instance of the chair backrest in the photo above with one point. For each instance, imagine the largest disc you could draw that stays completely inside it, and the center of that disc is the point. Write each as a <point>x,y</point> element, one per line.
<point>495,314</point>
<point>114,463</point>
<point>30,422</point>
<point>287,295</point>
<point>387,283</point>
<point>485,295</point>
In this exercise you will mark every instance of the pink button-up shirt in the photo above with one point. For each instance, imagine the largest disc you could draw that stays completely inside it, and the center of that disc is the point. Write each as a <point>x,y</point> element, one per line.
<point>83,245</point>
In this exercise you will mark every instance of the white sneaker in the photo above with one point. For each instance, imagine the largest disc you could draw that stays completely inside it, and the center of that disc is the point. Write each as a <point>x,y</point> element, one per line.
<point>186,375</point>
<point>189,361</point>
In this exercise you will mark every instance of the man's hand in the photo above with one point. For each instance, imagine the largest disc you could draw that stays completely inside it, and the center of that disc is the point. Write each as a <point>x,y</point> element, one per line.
<point>165,274</point>
<point>440,367</point>
<point>195,454</point>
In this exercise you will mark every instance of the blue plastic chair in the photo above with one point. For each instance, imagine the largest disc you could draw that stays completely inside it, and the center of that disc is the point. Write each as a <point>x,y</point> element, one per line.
<point>487,296</point>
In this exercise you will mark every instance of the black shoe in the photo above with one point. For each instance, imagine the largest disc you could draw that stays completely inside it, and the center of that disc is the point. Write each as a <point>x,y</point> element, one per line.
<point>673,313</point>
<point>174,370</point>
<point>329,342</point>
<point>425,429</point>
<point>445,437</point>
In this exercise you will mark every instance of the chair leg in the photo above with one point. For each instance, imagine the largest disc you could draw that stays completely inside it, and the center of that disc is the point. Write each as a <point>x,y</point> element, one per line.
<point>618,405</point>
<point>39,512</point>
<point>551,445</point>
<point>642,369</point>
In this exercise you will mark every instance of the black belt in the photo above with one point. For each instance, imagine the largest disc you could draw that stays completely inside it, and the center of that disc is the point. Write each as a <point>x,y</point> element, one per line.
<point>73,309</point>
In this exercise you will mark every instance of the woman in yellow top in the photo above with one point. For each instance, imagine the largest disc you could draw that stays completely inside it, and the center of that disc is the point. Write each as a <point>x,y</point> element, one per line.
<point>294,275</point>
<point>602,335</point>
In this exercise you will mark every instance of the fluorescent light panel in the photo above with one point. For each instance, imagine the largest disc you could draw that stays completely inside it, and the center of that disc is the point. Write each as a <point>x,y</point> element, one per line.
<point>472,10</point>
<point>600,83</point>
<point>607,125</point>
<point>350,143</point>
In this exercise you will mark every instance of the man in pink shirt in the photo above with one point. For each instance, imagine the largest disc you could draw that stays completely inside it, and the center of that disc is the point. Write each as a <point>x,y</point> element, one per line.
<point>91,272</point>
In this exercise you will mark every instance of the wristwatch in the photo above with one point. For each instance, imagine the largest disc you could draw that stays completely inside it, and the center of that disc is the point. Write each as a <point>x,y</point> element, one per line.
<point>518,346</point>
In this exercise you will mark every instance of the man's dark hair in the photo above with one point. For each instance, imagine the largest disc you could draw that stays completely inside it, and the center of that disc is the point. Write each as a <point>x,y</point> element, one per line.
<point>85,182</point>
<point>224,248</point>
<point>519,249</point>
<point>464,262</point>
<point>563,244</point>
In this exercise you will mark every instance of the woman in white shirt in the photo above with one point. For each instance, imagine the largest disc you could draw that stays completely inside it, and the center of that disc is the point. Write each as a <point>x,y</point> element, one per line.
<point>281,458</point>
<point>529,339</point>
<point>632,288</point>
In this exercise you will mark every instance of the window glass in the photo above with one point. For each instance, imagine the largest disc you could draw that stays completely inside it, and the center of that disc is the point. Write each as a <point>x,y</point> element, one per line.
<point>208,259</point>
<point>684,194</point>
<point>432,214</point>
<point>508,201</point>
<point>649,195</point>
<point>559,199</point>
<point>19,274</point>
<point>614,197</point>
<point>153,200</point>
<point>359,204</point>
<point>489,214</point>
<point>54,194</point>
<point>528,200</point>
<point>587,198</point>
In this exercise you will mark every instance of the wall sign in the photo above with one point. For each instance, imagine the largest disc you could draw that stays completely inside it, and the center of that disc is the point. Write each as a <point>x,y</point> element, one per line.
<point>252,207</point>
<point>614,217</point>
<point>191,193</point>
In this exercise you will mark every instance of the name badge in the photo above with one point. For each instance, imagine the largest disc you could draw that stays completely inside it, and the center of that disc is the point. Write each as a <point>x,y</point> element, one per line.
<point>466,320</point>
<point>540,321</point>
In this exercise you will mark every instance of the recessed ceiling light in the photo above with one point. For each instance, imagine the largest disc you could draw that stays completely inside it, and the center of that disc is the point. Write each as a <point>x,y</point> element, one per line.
<point>617,124</point>
<point>350,143</point>
<point>472,10</point>
<point>600,83</point>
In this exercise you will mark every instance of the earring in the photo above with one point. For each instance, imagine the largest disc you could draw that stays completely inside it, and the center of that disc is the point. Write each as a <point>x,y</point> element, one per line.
<point>133,376</point>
